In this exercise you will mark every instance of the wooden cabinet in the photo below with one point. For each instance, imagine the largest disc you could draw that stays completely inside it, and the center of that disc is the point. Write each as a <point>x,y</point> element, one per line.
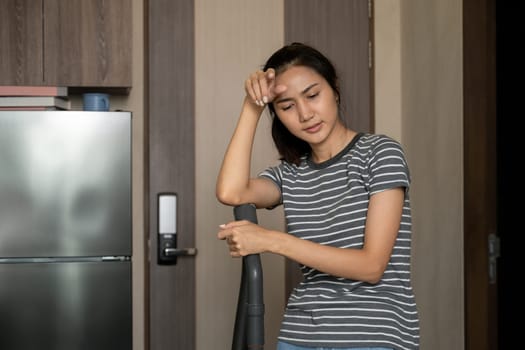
<point>75,43</point>
<point>87,42</point>
<point>21,49</point>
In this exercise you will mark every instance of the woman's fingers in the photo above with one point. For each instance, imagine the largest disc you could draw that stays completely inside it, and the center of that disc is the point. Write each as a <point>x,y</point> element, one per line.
<point>259,86</point>
<point>253,87</point>
<point>243,237</point>
<point>233,239</point>
<point>233,246</point>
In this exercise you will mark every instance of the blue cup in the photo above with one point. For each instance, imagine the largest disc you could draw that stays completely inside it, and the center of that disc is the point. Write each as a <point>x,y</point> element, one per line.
<point>96,102</point>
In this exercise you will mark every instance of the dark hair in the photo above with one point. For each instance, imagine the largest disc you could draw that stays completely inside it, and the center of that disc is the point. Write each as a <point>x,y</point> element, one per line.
<point>290,147</point>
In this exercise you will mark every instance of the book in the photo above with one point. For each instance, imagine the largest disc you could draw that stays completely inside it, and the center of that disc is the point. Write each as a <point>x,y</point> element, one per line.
<point>29,108</point>
<point>35,101</point>
<point>12,90</point>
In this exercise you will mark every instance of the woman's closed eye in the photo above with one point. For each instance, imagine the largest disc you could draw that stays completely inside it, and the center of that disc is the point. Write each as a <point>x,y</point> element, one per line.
<point>286,104</point>
<point>286,107</point>
<point>312,96</point>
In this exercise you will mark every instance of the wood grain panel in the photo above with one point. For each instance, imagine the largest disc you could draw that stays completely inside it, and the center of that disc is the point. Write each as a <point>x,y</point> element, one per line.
<point>87,43</point>
<point>341,30</point>
<point>21,38</point>
<point>171,167</point>
<point>479,79</point>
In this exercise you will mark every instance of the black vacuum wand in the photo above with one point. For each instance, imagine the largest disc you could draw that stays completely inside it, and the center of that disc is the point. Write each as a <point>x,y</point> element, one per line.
<point>249,320</point>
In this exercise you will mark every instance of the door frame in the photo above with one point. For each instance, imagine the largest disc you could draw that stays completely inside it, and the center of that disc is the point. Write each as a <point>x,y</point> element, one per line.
<point>480,162</point>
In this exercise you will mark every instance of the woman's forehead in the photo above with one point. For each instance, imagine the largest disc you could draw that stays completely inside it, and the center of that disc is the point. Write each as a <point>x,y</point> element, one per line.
<point>298,76</point>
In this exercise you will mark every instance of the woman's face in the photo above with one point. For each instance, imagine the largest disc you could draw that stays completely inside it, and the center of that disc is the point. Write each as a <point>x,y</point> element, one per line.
<point>308,107</point>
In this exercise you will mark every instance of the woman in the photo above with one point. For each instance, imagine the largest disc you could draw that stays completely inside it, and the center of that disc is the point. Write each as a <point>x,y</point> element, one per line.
<point>346,203</point>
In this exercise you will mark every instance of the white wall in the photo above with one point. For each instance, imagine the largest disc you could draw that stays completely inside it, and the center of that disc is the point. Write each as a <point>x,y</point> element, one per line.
<point>233,38</point>
<point>419,101</point>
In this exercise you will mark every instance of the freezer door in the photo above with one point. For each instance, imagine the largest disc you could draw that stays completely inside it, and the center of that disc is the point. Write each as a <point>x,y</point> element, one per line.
<point>65,183</point>
<point>66,306</point>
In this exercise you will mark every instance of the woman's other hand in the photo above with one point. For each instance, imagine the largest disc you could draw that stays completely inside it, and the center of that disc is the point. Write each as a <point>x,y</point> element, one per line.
<point>243,238</point>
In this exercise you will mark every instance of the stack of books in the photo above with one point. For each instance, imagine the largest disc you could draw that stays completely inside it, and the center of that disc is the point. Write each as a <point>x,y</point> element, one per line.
<point>34,98</point>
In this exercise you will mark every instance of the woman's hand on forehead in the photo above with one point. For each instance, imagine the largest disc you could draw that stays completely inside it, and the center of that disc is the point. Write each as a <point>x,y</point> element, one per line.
<point>261,87</point>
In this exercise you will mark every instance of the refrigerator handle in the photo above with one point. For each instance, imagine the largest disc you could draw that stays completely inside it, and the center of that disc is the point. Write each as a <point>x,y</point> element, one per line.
<point>167,251</point>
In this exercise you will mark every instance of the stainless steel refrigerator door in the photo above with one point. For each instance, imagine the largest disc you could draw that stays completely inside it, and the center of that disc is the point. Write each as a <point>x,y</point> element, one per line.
<point>57,306</point>
<point>65,183</point>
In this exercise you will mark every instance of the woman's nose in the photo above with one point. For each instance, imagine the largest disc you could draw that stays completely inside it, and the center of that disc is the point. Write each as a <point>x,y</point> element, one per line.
<point>305,113</point>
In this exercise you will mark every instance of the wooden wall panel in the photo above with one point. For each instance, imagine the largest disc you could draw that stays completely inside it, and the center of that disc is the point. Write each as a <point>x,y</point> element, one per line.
<point>479,113</point>
<point>341,30</point>
<point>171,167</point>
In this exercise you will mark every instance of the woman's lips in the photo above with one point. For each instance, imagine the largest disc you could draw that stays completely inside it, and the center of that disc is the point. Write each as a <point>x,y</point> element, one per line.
<point>314,128</point>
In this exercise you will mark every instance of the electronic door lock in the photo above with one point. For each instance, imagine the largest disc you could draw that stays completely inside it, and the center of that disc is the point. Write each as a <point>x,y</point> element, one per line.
<point>167,251</point>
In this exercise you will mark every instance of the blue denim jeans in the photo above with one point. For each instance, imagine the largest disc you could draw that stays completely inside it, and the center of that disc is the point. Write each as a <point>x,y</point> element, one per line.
<point>286,346</point>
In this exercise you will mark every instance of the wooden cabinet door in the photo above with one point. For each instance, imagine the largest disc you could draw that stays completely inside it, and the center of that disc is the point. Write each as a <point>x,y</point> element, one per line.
<point>87,43</point>
<point>21,38</point>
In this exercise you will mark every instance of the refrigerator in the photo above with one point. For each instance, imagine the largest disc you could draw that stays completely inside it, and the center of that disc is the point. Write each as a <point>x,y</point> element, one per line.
<point>65,230</point>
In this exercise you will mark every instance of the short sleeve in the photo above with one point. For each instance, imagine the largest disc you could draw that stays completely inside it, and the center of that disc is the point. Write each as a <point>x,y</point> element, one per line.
<point>275,174</point>
<point>388,167</point>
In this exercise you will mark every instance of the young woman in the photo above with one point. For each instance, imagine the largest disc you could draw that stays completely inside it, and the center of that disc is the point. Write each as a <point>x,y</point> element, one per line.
<point>346,203</point>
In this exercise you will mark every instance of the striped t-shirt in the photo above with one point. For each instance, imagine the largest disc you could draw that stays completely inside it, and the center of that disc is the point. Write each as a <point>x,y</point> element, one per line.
<point>327,203</point>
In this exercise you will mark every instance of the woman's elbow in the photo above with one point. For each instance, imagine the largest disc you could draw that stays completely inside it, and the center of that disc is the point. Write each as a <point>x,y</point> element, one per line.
<point>373,279</point>
<point>375,273</point>
<point>227,197</point>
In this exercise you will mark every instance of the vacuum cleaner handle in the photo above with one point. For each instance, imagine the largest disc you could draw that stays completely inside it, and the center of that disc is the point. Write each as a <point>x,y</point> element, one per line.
<point>249,320</point>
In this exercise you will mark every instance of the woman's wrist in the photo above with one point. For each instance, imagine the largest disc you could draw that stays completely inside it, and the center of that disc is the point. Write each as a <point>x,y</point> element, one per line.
<point>276,242</point>
<point>252,107</point>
